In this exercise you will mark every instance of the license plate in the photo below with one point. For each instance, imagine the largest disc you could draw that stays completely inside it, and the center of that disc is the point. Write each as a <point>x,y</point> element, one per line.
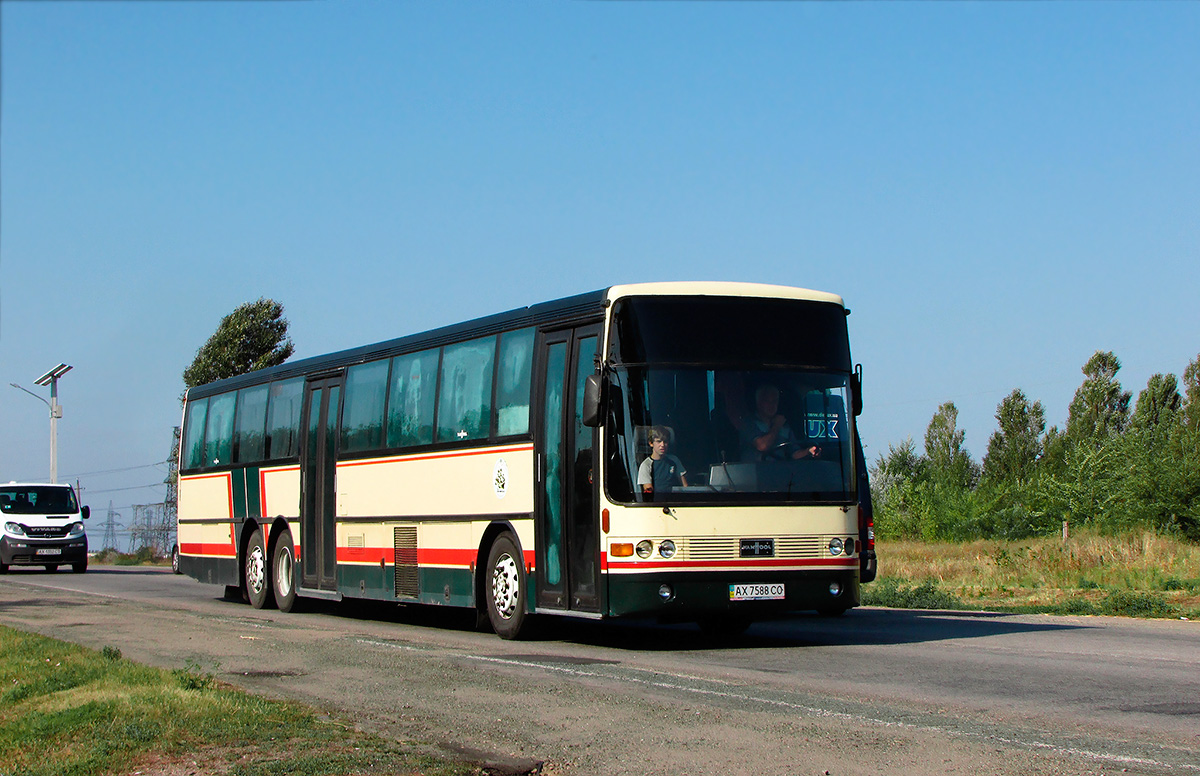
<point>756,592</point>
<point>50,551</point>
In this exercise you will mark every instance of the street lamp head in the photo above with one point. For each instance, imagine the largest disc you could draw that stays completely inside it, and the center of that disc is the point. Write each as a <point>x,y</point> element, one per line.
<point>53,375</point>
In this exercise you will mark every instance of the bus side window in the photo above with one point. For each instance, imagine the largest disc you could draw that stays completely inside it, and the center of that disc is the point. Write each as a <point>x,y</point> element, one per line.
<point>514,375</point>
<point>411,399</point>
<point>250,430</point>
<point>193,435</point>
<point>362,415</point>
<point>465,396</point>
<point>283,419</point>
<point>218,437</point>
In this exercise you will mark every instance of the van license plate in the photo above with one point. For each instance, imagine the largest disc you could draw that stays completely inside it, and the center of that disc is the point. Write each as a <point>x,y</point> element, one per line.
<point>50,551</point>
<point>756,592</point>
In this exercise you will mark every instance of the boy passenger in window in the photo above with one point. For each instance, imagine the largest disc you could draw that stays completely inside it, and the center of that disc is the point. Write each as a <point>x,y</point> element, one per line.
<point>660,473</point>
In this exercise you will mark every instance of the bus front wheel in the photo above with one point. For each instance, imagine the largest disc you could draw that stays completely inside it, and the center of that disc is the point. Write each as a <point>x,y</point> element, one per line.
<point>505,588</point>
<point>258,574</point>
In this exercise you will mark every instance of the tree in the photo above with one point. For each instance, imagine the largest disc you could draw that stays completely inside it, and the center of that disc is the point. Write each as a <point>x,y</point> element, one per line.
<point>1100,408</point>
<point>949,461</point>
<point>253,336</point>
<point>1157,405</point>
<point>1016,445</point>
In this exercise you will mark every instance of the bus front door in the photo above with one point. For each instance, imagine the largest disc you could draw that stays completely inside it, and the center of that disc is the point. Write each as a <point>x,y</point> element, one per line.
<point>318,460</point>
<point>568,532</point>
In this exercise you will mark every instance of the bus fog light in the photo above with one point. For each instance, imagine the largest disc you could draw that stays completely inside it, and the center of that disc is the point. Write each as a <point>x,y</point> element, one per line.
<point>849,546</point>
<point>644,548</point>
<point>667,549</point>
<point>835,546</point>
<point>665,593</point>
<point>835,588</point>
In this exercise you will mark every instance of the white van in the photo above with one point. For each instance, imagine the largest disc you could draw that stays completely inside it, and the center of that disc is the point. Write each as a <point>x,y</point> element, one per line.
<point>43,526</point>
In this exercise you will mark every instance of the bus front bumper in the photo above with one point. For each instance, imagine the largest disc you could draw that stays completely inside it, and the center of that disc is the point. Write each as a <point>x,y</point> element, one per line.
<point>751,594</point>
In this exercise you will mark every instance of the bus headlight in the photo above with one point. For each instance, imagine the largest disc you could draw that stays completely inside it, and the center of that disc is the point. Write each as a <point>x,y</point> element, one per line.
<point>667,548</point>
<point>644,548</point>
<point>835,546</point>
<point>14,528</point>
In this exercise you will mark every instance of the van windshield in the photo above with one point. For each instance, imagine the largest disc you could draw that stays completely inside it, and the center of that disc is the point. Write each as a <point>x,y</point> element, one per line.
<point>37,500</point>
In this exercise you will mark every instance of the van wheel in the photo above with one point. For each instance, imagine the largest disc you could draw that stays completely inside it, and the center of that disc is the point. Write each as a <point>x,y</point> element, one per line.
<point>258,572</point>
<point>505,587</point>
<point>283,572</point>
<point>79,567</point>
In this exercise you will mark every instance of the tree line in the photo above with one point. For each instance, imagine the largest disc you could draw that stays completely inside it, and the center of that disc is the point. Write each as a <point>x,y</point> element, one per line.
<point>1111,467</point>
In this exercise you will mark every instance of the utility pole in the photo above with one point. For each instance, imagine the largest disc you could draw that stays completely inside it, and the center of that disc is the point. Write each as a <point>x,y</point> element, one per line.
<point>50,379</point>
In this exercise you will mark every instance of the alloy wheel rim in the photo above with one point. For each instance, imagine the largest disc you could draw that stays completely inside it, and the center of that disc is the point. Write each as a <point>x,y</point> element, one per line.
<point>256,570</point>
<point>505,585</point>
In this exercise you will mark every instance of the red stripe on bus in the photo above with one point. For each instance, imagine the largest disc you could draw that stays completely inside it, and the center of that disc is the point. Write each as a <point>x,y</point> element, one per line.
<point>643,565</point>
<point>426,556</point>
<point>200,548</point>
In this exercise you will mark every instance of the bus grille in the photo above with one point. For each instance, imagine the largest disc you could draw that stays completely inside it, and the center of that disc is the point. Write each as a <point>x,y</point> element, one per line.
<point>406,562</point>
<point>728,547</point>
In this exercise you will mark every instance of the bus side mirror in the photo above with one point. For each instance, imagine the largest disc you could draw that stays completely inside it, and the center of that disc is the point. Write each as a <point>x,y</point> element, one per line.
<point>593,401</point>
<point>86,511</point>
<point>856,388</point>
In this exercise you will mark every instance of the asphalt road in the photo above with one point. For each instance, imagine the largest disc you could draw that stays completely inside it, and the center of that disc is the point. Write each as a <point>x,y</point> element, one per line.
<point>875,691</point>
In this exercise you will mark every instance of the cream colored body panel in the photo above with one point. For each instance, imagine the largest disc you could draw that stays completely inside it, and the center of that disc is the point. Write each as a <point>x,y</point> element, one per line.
<point>444,484</point>
<point>281,492</point>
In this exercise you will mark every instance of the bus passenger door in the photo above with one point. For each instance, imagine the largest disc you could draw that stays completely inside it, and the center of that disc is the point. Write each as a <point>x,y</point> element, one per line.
<point>318,459</point>
<point>568,550</point>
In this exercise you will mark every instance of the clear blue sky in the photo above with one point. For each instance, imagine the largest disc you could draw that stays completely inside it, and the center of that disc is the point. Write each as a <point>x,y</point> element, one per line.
<point>998,189</point>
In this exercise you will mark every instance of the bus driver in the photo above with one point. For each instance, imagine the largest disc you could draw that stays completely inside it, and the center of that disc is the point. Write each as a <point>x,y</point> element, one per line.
<point>770,436</point>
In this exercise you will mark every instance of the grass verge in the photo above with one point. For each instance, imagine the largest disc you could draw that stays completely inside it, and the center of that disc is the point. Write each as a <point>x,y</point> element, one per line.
<point>1131,575</point>
<point>67,710</point>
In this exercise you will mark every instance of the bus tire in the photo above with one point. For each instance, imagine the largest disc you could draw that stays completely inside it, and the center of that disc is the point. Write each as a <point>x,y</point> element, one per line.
<point>175,559</point>
<point>258,572</point>
<point>283,572</point>
<point>505,587</point>
<point>79,567</point>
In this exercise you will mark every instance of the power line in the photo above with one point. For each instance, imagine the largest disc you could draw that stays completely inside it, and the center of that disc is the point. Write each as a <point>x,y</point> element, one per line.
<point>118,490</point>
<point>154,465</point>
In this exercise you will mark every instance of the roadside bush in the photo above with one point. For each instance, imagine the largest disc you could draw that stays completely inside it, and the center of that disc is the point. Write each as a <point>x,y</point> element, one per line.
<point>927,595</point>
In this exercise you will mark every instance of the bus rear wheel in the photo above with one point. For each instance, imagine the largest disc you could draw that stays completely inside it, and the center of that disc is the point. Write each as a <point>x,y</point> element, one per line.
<point>505,588</point>
<point>283,572</point>
<point>258,572</point>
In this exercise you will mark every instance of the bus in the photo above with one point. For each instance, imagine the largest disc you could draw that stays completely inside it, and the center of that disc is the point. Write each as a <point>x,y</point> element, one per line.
<point>501,464</point>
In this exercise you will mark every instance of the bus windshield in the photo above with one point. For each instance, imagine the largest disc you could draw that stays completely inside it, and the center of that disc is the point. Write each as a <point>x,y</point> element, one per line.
<point>729,401</point>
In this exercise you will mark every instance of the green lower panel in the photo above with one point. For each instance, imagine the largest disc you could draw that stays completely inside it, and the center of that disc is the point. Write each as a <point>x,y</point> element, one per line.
<point>708,593</point>
<point>444,587</point>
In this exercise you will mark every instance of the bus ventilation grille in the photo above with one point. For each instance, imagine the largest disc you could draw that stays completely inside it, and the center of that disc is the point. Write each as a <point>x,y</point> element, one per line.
<point>406,562</point>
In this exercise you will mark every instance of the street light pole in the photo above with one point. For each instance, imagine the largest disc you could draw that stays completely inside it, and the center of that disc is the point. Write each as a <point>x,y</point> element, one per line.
<point>51,379</point>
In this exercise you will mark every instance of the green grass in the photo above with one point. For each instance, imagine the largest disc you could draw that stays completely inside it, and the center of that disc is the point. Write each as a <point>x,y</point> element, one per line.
<point>1138,574</point>
<point>67,710</point>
